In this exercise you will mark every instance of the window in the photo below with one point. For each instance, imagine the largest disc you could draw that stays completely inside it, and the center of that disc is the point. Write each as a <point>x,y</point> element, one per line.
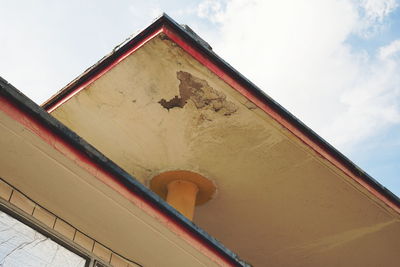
<point>21,245</point>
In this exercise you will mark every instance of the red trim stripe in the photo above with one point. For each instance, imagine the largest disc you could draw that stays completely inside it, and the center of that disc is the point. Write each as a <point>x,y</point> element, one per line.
<point>103,71</point>
<point>82,160</point>
<point>325,154</point>
<point>257,100</point>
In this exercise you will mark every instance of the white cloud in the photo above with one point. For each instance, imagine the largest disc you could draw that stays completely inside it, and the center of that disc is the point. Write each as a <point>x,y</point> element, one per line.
<point>297,52</point>
<point>377,10</point>
<point>390,50</point>
<point>373,16</point>
<point>210,9</point>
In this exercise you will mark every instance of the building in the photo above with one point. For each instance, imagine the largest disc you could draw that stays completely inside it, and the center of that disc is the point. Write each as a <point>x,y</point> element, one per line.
<point>86,177</point>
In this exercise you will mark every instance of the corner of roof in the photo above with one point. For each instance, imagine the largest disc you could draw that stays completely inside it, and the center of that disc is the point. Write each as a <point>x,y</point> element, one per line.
<point>163,20</point>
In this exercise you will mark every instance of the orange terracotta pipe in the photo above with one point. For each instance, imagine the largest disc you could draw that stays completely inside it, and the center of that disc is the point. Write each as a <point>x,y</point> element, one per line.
<point>182,196</point>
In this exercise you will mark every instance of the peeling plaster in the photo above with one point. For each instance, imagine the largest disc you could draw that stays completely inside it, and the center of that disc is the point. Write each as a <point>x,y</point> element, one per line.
<point>201,94</point>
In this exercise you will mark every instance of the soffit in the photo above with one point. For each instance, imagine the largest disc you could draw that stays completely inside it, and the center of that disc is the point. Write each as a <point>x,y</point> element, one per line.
<point>277,201</point>
<point>63,187</point>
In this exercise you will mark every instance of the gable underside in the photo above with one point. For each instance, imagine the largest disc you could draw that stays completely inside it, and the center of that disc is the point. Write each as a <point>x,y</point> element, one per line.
<point>277,201</point>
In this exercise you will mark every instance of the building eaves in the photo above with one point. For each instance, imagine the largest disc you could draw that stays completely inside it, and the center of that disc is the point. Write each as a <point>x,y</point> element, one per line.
<point>204,48</point>
<point>38,113</point>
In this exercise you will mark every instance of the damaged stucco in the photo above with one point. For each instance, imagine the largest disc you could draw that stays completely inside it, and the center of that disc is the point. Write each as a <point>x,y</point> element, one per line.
<point>174,113</point>
<point>201,94</point>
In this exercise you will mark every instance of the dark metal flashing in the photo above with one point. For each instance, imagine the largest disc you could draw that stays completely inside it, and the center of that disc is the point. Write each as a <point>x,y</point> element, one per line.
<point>41,115</point>
<point>193,39</point>
<point>196,37</point>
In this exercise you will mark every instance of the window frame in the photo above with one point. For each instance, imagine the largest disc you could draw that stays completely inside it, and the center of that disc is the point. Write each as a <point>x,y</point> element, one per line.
<point>56,237</point>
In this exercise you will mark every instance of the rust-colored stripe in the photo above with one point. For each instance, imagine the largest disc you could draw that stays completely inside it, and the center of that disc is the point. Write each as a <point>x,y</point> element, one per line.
<point>250,95</point>
<point>260,102</point>
<point>82,160</point>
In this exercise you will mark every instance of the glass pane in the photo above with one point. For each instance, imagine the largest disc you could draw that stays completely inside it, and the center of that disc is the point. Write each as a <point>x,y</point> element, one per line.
<point>21,245</point>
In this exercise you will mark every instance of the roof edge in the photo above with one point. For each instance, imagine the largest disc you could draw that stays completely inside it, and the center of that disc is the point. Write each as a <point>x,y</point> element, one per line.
<point>38,113</point>
<point>108,59</point>
<point>165,20</point>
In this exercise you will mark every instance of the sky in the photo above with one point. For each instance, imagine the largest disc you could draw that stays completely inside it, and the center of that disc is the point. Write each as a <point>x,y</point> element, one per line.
<point>334,64</point>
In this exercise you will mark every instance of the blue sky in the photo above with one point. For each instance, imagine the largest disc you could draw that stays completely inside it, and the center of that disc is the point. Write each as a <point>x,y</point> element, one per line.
<point>335,64</point>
